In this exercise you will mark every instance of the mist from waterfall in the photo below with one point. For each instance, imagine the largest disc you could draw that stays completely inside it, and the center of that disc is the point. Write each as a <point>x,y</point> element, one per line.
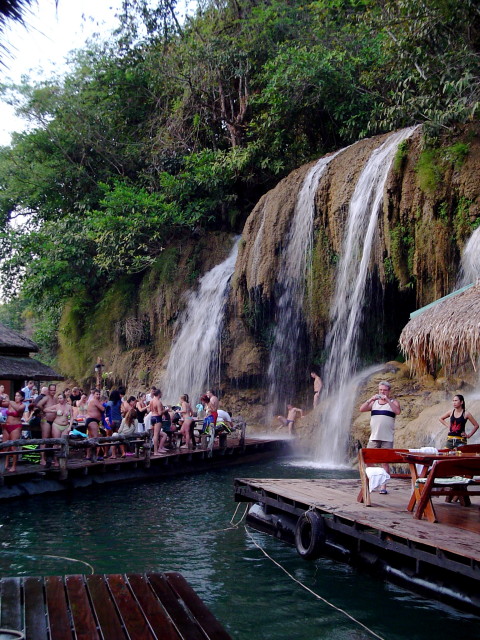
<point>291,280</point>
<point>195,356</point>
<point>334,415</point>
<point>470,265</point>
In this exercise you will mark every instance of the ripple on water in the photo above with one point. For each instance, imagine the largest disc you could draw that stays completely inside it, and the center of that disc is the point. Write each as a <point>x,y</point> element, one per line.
<point>173,525</point>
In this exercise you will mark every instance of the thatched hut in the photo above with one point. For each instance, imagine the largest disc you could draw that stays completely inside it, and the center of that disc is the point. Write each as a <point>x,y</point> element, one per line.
<point>446,332</point>
<point>16,365</point>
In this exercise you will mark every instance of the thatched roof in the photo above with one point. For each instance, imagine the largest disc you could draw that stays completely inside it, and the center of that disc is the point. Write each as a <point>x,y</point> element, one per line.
<point>12,368</point>
<point>11,340</point>
<point>447,333</point>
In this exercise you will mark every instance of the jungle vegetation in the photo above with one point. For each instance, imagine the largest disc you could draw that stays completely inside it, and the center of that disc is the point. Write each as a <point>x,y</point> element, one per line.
<point>175,126</point>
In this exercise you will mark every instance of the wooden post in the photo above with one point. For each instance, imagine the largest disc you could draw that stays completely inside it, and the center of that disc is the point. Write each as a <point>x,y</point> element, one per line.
<point>98,373</point>
<point>243,428</point>
<point>62,460</point>
<point>2,470</point>
<point>148,451</point>
<point>222,440</point>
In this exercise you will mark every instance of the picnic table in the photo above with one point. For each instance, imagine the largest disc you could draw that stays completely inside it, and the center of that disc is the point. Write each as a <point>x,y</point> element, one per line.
<point>442,473</point>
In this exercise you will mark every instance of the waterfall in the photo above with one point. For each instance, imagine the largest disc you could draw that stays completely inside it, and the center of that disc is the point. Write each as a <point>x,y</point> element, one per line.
<point>194,361</point>
<point>335,415</point>
<point>470,266</point>
<point>291,279</point>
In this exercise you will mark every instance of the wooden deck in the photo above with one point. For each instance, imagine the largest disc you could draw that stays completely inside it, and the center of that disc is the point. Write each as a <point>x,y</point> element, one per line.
<point>149,606</point>
<point>385,535</point>
<point>34,479</point>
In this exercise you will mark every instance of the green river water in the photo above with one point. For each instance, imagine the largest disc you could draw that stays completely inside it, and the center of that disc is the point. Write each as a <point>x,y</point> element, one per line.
<point>171,525</point>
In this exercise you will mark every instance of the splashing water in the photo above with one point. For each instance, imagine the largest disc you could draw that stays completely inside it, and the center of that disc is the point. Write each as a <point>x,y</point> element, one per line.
<point>294,267</point>
<point>194,361</point>
<point>470,266</point>
<point>335,415</point>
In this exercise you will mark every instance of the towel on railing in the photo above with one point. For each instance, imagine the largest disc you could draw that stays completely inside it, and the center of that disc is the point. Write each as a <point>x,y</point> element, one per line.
<point>376,477</point>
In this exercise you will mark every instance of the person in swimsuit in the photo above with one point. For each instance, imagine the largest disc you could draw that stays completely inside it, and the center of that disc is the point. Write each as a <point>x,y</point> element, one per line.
<point>159,437</point>
<point>188,423</point>
<point>48,415</point>
<point>317,387</point>
<point>12,428</point>
<point>457,435</point>
<point>212,405</point>
<point>94,417</point>
<point>80,410</point>
<point>292,414</point>
<point>142,410</point>
<point>63,419</point>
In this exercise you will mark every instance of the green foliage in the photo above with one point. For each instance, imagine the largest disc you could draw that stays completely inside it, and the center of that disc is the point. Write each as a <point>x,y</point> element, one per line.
<point>429,173</point>
<point>462,224</point>
<point>173,127</point>
<point>456,154</point>
<point>401,156</point>
<point>402,249</point>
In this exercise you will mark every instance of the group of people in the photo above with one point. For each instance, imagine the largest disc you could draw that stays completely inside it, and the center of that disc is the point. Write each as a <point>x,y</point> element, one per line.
<point>384,409</point>
<point>57,415</point>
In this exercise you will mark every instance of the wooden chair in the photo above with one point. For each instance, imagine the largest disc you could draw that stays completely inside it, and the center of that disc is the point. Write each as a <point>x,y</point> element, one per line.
<point>451,469</point>
<point>371,457</point>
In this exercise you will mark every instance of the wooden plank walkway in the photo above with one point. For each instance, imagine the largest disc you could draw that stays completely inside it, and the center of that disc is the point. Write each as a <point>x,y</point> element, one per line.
<point>147,606</point>
<point>387,514</point>
<point>438,559</point>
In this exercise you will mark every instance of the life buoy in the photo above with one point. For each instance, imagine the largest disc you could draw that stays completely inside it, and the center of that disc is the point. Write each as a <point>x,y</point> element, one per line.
<point>310,535</point>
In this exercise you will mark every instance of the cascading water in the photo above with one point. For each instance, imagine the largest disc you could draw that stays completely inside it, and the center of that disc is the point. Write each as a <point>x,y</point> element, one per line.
<point>470,267</point>
<point>196,351</point>
<point>335,412</point>
<point>294,267</point>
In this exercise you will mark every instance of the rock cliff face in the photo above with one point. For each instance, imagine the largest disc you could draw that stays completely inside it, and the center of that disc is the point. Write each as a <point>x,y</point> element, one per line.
<point>431,204</point>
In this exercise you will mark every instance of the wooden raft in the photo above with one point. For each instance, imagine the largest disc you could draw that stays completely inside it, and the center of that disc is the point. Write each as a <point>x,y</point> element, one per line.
<point>107,607</point>
<point>457,532</point>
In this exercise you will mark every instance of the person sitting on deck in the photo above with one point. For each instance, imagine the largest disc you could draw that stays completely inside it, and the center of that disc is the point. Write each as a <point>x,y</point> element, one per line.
<point>224,422</point>
<point>457,435</point>
<point>292,414</point>
<point>12,428</point>
<point>128,427</point>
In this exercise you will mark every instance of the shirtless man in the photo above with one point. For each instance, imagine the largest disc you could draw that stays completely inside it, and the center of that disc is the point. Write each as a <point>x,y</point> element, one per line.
<point>212,405</point>
<point>156,409</point>
<point>317,387</point>
<point>48,416</point>
<point>94,416</point>
<point>292,414</point>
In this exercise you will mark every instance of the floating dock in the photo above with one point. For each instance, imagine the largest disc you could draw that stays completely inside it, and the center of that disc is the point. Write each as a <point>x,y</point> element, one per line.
<point>439,560</point>
<point>147,606</point>
<point>32,479</point>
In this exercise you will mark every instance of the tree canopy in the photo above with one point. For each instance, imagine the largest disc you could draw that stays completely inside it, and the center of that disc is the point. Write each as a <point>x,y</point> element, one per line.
<point>172,126</point>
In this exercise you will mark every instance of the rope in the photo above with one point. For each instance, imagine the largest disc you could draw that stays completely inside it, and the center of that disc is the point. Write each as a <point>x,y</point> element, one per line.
<point>234,525</point>
<point>36,557</point>
<point>324,600</point>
